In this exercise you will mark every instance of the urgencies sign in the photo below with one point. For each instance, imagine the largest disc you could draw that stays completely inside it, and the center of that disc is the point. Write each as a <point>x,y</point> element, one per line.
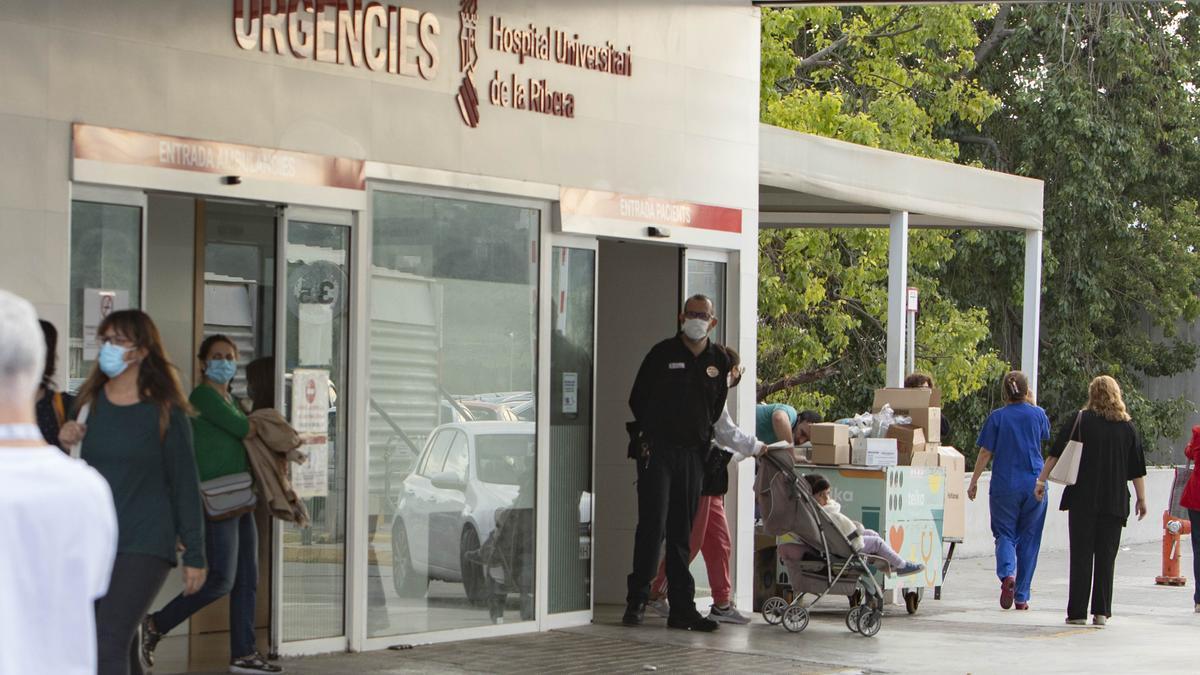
<point>378,36</point>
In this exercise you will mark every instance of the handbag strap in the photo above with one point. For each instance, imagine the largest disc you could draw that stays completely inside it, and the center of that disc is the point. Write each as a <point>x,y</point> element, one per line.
<point>1075,428</point>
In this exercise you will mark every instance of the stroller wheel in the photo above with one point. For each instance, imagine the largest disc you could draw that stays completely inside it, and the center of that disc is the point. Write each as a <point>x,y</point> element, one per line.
<point>795,619</point>
<point>869,622</point>
<point>773,609</point>
<point>852,617</point>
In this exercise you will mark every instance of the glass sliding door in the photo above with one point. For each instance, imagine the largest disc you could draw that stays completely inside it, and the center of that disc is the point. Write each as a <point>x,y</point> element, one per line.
<point>314,334</point>
<point>452,468</point>
<point>106,268</point>
<point>572,355</point>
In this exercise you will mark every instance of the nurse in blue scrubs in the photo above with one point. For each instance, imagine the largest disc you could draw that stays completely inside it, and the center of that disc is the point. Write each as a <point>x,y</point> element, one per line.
<point>1012,439</point>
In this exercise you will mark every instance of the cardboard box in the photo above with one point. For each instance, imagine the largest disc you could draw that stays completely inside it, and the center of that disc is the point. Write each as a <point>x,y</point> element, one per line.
<point>954,520</point>
<point>828,433</point>
<point>921,404</point>
<point>873,451</point>
<point>930,421</point>
<point>831,454</point>
<point>926,458</point>
<point>909,440</point>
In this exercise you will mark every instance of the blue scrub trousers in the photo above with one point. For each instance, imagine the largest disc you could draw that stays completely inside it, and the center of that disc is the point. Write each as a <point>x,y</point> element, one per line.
<point>1017,520</point>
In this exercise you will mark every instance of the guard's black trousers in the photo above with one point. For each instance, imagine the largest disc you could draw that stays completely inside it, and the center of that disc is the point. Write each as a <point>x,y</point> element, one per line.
<point>668,488</point>
<point>1095,539</point>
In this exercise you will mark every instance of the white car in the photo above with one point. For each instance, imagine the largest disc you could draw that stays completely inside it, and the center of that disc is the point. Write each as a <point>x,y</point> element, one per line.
<point>447,505</point>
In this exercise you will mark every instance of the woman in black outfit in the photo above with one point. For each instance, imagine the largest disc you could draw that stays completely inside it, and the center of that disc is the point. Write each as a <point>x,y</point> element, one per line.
<point>52,405</point>
<point>1097,505</point>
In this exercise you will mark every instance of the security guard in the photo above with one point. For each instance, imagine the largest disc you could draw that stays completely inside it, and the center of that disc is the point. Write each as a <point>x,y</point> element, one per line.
<point>678,395</point>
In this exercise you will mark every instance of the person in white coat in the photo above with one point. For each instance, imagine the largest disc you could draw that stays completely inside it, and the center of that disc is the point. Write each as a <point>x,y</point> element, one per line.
<point>57,522</point>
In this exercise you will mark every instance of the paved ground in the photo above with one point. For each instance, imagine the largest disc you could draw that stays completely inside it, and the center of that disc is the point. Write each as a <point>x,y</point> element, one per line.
<point>1154,630</point>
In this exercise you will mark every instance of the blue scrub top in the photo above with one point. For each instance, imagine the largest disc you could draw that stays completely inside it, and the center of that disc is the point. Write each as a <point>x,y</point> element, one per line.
<point>1014,434</point>
<point>763,429</point>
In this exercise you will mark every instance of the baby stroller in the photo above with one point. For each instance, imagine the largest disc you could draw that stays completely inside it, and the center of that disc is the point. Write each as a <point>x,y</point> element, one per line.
<point>830,563</point>
<point>507,561</point>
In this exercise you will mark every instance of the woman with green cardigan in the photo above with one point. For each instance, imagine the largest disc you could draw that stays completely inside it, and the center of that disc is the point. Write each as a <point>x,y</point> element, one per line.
<point>219,429</point>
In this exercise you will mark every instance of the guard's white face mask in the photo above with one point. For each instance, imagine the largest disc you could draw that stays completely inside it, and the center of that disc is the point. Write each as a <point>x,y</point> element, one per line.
<point>695,329</point>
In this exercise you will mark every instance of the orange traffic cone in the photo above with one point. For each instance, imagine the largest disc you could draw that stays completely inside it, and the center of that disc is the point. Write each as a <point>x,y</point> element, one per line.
<point>1173,531</point>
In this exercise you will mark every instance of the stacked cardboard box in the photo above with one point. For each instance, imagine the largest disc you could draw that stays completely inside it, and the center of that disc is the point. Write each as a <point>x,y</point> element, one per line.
<point>910,440</point>
<point>873,452</point>
<point>922,405</point>
<point>954,464</point>
<point>830,443</point>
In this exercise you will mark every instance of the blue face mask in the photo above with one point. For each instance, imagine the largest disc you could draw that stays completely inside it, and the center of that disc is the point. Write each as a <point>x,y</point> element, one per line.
<point>112,359</point>
<point>220,371</point>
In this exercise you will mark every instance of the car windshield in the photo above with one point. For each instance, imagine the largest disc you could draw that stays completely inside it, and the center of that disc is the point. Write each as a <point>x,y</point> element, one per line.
<point>504,459</point>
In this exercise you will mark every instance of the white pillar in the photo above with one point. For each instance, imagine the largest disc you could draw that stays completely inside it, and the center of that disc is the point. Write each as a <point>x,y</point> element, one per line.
<point>897,296</point>
<point>1030,323</point>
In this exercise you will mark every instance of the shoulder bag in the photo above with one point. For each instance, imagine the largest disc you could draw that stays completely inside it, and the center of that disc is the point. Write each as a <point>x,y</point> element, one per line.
<point>1066,471</point>
<point>228,496</point>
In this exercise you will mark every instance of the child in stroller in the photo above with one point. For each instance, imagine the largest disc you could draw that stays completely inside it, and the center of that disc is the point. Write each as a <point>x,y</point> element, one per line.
<point>872,543</point>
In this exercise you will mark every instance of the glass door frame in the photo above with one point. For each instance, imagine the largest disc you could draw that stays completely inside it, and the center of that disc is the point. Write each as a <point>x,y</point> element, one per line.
<point>546,620</point>
<point>360,465</point>
<point>120,196</point>
<point>348,405</point>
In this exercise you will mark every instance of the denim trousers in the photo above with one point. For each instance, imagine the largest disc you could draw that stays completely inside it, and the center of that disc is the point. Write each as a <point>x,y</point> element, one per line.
<point>232,549</point>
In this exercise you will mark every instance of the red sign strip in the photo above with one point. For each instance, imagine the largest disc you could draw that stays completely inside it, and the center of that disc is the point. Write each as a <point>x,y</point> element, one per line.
<point>121,146</point>
<point>649,210</point>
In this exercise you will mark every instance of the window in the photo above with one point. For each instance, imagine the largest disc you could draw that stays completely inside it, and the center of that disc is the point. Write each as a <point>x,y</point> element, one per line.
<point>437,453</point>
<point>456,459</point>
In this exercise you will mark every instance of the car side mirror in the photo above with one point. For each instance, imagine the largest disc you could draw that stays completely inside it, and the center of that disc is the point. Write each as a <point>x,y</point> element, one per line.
<point>447,480</point>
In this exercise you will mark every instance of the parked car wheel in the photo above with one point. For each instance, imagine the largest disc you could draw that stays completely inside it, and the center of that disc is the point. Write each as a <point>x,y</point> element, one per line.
<point>476,586</point>
<point>407,582</point>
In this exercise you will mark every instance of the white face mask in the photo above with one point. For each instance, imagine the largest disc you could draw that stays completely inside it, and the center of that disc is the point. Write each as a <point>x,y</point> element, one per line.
<point>695,329</point>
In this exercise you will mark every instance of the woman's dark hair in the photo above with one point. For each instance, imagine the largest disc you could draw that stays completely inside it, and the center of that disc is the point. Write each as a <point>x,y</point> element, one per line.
<point>918,380</point>
<point>158,381</point>
<point>810,416</point>
<point>260,381</point>
<point>210,342</point>
<point>817,482</point>
<point>1015,387</point>
<point>51,334</point>
<point>735,360</point>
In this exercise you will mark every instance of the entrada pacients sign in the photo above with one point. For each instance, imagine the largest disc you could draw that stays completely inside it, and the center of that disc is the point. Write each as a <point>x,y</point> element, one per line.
<point>404,41</point>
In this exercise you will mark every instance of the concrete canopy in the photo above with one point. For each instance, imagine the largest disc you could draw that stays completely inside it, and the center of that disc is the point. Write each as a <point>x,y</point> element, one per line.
<point>808,180</point>
<point>815,182</point>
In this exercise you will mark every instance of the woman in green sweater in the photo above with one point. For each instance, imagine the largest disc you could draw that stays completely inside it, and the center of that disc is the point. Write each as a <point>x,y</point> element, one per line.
<point>220,427</point>
<point>136,434</point>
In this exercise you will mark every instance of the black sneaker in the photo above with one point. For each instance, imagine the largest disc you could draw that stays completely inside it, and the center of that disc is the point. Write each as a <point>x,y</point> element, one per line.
<point>254,663</point>
<point>700,624</point>
<point>148,640</point>
<point>635,614</point>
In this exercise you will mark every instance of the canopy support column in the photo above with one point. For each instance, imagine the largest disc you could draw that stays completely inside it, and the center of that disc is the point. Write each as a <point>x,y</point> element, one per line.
<point>1031,320</point>
<point>897,295</point>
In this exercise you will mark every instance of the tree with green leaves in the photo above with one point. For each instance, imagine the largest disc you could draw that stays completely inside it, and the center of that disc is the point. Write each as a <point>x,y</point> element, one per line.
<point>887,77</point>
<point>1099,101</point>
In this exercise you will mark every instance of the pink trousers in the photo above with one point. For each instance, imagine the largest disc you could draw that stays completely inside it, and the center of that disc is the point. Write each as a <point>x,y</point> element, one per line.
<point>710,536</point>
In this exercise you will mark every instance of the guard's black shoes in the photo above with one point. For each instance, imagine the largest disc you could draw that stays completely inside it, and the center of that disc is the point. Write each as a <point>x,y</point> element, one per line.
<point>701,624</point>
<point>635,614</point>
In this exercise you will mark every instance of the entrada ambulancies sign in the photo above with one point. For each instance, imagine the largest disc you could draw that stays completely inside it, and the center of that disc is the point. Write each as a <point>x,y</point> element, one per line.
<point>383,38</point>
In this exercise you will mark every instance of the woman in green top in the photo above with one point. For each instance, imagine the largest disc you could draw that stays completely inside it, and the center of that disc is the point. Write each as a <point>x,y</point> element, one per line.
<point>137,436</point>
<point>220,426</point>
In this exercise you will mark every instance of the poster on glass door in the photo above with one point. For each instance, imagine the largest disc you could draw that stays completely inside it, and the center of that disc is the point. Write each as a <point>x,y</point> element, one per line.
<point>98,303</point>
<point>310,417</point>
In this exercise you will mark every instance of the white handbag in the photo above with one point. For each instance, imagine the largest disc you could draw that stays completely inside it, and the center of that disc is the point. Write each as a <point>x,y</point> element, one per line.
<point>1066,471</point>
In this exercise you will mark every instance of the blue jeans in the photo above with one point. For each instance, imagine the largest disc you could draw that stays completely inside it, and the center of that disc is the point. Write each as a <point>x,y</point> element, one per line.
<point>232,549</point>
<point>1017,520</point>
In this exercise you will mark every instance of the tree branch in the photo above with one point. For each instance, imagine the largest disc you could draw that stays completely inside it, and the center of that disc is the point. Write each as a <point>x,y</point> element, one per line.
<point>1000,31</point>
<point>818,58</point>
<point>986,141</point>
<point>766,389</point>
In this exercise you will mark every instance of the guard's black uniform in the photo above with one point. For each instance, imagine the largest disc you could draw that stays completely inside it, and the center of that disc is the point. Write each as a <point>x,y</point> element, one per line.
<point>676,399</point>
